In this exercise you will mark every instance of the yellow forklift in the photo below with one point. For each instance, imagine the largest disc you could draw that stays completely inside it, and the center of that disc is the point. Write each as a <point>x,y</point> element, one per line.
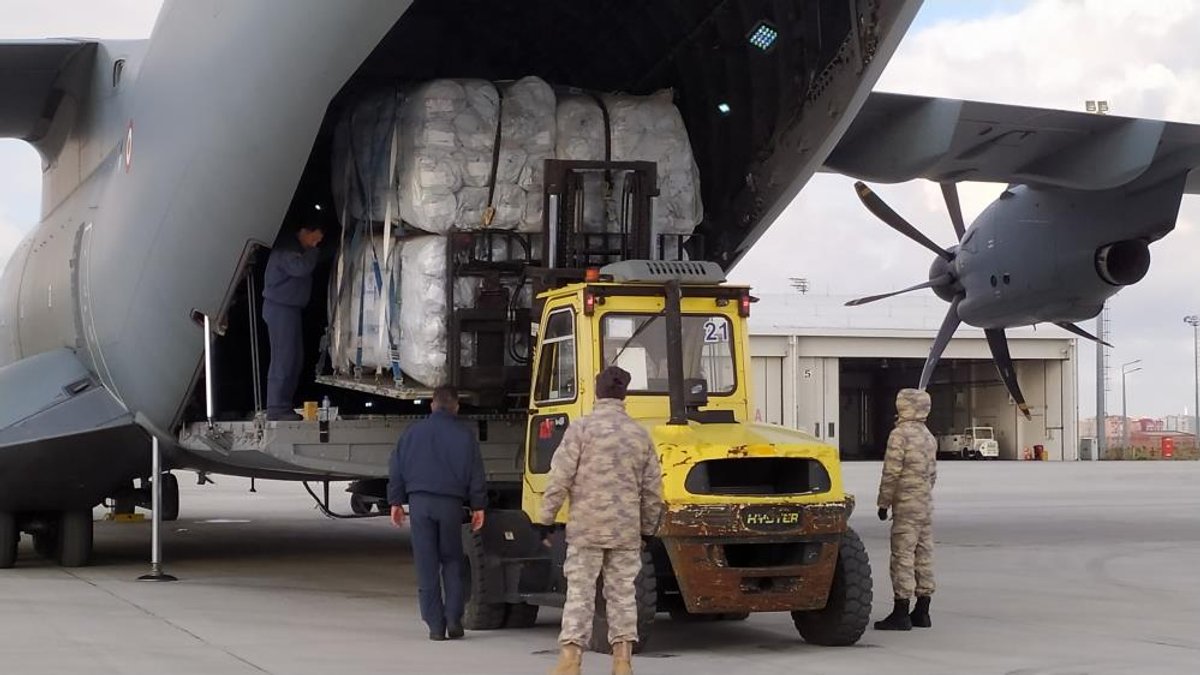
<point>756,515</point>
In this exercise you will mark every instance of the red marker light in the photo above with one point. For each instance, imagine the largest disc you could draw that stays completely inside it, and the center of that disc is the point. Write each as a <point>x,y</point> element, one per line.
<point>744,305</point>
<point>589,303</point>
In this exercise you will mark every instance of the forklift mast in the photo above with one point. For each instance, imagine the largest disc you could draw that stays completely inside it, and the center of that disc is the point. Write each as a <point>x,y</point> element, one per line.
<point>594,213</point>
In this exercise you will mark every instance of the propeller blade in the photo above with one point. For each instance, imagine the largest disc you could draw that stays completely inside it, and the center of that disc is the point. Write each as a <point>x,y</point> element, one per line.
<point>1072,328</point>
<point>949,325</point>
<point>999,346</point>
<point>950,194</point>
<point>885,213</point>
<point>936,281</point>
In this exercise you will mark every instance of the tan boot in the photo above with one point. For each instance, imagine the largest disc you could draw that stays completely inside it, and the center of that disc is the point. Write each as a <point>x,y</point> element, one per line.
<point>622,658</point>
<point>570,660</point>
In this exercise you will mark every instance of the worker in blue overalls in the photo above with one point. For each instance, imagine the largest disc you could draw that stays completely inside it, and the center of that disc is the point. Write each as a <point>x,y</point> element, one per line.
<point>286,291</point>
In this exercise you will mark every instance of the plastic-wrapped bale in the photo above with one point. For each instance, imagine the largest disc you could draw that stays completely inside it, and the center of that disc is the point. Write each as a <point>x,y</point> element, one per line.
<point>528,131</point>
<point>447,130</point>
<point>650,128</point>
<point>641,128</point>
<point>424,317</point>
<point>364,159</point>
<point>364,305</point>
<point>448,145</point>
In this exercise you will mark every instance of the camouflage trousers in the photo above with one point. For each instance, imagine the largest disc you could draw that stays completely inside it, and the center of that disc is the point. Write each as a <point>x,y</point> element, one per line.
<point>620,568</point>
<point>912,555</point>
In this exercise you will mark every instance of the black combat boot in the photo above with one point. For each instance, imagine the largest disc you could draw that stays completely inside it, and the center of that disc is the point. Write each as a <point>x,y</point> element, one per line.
<point>898,619</point>
<point>920,613</point>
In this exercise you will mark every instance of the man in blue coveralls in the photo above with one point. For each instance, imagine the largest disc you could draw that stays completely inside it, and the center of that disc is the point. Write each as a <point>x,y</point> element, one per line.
<point>286,290</point>
<point>437,469</point>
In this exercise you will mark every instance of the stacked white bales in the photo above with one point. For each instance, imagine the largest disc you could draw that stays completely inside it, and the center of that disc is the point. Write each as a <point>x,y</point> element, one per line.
<point>364,306</point>
<point>641,128</point>
<point>365,153</point>
<point>452,175</point>
<point>424,331</point>
<point>426,157</point>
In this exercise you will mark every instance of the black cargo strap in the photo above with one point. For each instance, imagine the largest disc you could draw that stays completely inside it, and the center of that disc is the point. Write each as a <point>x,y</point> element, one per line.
<point>489,213</point>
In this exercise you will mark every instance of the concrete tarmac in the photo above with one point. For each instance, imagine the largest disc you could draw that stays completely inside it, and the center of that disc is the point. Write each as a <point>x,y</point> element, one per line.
<point>1042,569</point>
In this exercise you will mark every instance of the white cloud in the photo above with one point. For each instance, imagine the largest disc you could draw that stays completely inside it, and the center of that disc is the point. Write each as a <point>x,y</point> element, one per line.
<point>114,19</point>
<point>1046,53</point>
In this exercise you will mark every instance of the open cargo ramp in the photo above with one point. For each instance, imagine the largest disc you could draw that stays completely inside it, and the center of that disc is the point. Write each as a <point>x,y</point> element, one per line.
<point>355,447</point>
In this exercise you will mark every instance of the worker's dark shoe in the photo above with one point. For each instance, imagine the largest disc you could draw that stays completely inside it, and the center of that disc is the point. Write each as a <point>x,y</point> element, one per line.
<point>437,635</point>
<point>920,613</point>
<point>898,619</point>
<point>283,416</point>
<point>455,631</point>
<point>570,661</point>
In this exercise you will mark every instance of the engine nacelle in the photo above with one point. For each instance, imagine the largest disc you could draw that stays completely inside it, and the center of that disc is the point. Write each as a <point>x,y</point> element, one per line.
<point>1124,262</point>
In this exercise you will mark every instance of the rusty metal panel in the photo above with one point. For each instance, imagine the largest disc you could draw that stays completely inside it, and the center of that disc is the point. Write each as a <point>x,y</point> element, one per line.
<point>696,538</point>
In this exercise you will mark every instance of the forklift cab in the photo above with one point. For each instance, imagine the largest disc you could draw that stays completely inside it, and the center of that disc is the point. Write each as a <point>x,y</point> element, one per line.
<point>679,333</point>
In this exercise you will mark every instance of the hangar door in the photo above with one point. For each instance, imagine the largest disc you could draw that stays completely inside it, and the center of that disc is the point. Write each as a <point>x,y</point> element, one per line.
<point>767,377</point>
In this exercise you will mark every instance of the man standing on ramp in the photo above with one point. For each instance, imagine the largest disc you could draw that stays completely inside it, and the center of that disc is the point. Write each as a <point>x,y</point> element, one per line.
<point>287,287</point>
<point>909,472</point>
<point>607,466</point>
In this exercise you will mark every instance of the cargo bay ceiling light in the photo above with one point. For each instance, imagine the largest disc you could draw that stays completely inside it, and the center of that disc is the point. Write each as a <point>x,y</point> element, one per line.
<point>763,36</point>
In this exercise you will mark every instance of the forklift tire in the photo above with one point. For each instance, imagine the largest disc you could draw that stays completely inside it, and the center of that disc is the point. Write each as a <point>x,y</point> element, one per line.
<point>10,536</point>
<point>521,615</point>
<point>646,590</point>
<point>845,616</point>
<point>479,583</point>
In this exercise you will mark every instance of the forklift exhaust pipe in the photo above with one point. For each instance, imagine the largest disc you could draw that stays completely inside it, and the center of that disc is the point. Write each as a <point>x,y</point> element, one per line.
<point>675,390</point>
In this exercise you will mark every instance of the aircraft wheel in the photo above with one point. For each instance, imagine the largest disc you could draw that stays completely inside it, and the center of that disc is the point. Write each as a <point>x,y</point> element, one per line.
<point>10,536</point>
<point>170,497</point>
<point>75,538</point>
<point>359,505</point>
<point>46,544</point>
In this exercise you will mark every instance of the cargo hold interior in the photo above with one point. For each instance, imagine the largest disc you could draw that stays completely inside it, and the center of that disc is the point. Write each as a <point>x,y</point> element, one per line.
<point>736,100</point>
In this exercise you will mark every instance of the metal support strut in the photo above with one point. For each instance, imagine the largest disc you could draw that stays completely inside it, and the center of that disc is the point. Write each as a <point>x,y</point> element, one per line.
<point>156,572</point>
<point>208,373</point>
<point>255,367</point>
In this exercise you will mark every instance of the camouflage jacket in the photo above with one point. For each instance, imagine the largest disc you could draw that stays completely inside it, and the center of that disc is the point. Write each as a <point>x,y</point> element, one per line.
<point>608,467</point>
<point>910,466</point>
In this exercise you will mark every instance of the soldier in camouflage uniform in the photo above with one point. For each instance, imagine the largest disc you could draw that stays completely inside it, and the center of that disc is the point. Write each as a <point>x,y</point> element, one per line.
<point>607,466</point>
<point>909,472</point>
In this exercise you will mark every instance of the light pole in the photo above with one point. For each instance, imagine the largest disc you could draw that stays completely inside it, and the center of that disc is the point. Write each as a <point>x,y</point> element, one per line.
<point>1125,370</point>
<point>1100,108</point>
<point>1194,322</point>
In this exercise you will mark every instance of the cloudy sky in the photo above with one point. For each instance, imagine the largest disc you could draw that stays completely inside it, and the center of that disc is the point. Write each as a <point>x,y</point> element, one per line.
<point>1051,53</point>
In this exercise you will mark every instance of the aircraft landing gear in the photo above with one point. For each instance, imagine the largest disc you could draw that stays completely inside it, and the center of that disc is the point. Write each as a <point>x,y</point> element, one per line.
<point>75,538</point>
<point>10,536</point>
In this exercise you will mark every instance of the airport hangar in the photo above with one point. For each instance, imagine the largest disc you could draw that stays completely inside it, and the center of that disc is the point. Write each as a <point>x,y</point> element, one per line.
<point>835,371</point>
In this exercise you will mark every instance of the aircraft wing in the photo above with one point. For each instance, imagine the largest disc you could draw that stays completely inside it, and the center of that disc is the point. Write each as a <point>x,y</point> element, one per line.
<point>897,137</point>
<point>39,79</point>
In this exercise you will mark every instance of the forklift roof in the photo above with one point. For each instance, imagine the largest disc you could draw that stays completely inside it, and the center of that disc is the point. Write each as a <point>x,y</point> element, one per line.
<point>662,271</point>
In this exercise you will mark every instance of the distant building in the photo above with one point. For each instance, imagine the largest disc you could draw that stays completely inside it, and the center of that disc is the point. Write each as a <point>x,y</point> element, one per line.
<point>1181,423</point>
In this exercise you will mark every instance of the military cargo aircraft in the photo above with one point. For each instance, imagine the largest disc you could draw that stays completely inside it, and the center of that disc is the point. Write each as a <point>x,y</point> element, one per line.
<point>169,162</point>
